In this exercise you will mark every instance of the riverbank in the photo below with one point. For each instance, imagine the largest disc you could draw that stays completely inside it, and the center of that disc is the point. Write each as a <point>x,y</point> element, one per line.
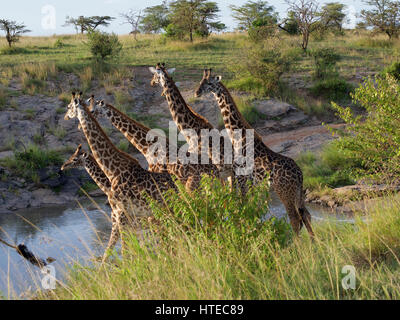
<point>220,261</point>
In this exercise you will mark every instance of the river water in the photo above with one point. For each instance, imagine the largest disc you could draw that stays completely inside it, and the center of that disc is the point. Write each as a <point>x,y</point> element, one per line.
<point>69,234</point>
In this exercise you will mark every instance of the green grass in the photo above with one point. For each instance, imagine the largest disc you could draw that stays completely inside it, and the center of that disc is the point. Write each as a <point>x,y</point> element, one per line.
<point>330,168</point>
<point>26,163</point>
<point>241,258</point>
<point>3,98</point>
<point>86,188</point>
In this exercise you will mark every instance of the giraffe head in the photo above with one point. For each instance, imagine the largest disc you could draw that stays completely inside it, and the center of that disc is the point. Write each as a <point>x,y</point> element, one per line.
<point>76,160</point>
<point>99,109</point>
<point>73,106</point>
<point>160,74</point>
<point>207,84</point>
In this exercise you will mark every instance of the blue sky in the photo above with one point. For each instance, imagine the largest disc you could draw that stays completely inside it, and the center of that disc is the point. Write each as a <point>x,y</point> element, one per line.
<point>39,15</point>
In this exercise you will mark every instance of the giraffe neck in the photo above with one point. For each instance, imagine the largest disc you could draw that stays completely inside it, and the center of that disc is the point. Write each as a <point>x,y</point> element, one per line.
<point>109,158</point>
<point>182,114</point>
<point>234,120</point>
<point>97,174</point>
<point>133,130</point>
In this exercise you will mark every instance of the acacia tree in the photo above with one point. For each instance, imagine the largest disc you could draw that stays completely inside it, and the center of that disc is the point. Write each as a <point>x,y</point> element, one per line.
<point>252,11</point>
<point>88,23</point>
<point>333,16</point>
<point>133,18</point>
<point>306,14</point>
<point>190,16</point>
<point>155,18</point>
<point>384,16</point>
<point>13,30</point>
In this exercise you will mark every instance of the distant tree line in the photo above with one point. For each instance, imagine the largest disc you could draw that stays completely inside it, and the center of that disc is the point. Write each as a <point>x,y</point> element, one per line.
<point>182,19</point>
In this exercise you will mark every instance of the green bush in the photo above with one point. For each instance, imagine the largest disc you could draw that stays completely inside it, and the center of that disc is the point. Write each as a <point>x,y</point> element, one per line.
<point>393,70</point>
<point>219,214</point>
<point>332,168</point>
<point>375,137</point>
<point>103,45</point>
<point>332,88</point>
<point>26,163</point>
<point>59,44</point>
<point>325,60</point>
<point>265,63</point>
<point>174,32</point>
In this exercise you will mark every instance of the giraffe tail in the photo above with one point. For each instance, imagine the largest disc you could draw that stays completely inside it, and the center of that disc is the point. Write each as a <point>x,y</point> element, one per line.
<point>304,214</point>
<point>306,219</point>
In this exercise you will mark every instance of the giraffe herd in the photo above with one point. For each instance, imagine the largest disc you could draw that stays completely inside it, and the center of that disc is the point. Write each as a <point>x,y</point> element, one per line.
<point>127,184</point>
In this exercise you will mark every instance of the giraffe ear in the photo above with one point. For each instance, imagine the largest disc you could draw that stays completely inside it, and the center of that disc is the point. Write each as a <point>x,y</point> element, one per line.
<point>152,70</point>
<point>218,78</point>
<point>171,71</point>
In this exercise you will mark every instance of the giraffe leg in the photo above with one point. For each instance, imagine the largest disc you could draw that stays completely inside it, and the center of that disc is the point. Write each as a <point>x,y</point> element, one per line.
<point>192,183</point>
<point>306,218</point>
<point>114,236</point>
<point>294,218</point>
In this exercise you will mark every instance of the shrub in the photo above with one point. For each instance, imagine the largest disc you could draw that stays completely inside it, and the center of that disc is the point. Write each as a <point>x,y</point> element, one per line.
<point>332,88</point>
<point>393,70</point>
<point>174,32</point>
<point>59,44</point>
<point>325,60</point>
<point>332,168</point>
<point>103,45</point>
<point>265,62</point>
<point>26,163</point>
<point>375,138</point>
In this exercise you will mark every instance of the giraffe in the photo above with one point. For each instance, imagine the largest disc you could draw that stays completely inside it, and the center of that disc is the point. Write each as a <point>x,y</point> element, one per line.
<point>81,158</point>
<point>130,183</point>
<point>187,120</point>
<point>285,175</point>
<point>140,137</point>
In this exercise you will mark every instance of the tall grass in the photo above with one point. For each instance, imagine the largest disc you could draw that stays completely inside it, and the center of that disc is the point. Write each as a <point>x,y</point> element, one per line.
<point>208,249</point>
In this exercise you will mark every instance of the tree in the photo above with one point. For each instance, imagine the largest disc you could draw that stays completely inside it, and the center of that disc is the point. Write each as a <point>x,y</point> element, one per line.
<point>208,13</point>
<point>290,24</point>
<point>306,14</point>
<point>133,18</point>
<point>194,16</point>
<point>88,23</point>
<point>251,11</point>
<point>13,30</point>
<point>333,16</point>
<point>384,16</point>
<point>155,18</point>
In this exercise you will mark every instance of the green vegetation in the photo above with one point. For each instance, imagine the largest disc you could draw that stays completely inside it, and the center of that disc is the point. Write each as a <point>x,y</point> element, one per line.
<point>330,168</point>
<point>367,148</point>
<point>393,70</point>
<point>87,187</point>
<point>26,163</point>
<point>103,45</point>
<point>374,138</point>
<point>214,246</point>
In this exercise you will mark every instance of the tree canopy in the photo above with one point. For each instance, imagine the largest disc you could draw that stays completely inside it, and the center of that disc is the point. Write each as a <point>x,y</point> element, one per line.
<point>83,23</point>
<point>253,11</point>
<point>13,30</point>
<point>384,16</point>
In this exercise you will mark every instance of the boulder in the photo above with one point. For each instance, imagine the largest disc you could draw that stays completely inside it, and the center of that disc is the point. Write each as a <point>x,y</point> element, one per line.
<point>273,108</point>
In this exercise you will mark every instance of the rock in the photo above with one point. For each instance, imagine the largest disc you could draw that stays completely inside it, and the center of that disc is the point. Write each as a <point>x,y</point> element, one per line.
<point>96,193</point>
<point>6,154</point>
<point>273,108</point>
<point>46,197</point>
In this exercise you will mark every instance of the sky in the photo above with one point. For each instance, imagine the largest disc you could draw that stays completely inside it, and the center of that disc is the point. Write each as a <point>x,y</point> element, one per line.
<point>47,17</point>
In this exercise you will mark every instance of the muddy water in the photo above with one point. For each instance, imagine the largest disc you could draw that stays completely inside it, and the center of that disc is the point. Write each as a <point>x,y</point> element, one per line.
<point>69,234</point>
